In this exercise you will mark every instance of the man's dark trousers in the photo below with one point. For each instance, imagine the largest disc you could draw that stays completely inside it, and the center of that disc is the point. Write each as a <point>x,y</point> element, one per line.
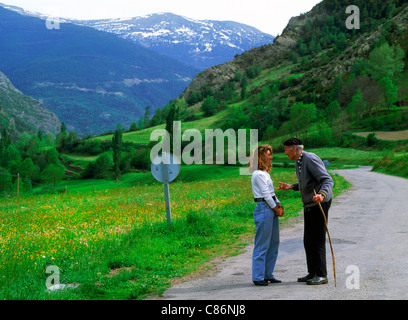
<point>314,239</point>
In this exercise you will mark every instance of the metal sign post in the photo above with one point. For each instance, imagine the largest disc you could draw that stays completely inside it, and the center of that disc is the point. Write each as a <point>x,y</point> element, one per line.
<point>165,168</point>
<point>167,192</point>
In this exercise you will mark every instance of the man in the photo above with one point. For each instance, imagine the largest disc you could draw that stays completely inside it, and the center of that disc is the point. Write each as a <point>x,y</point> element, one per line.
<point>312,176</point>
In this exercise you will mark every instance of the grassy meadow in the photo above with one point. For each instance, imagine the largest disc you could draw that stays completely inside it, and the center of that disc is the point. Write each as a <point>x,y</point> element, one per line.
<point>113,242</point>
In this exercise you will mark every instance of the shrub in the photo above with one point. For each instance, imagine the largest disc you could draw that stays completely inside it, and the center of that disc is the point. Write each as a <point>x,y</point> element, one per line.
<point>99,168</point>
<point>372,140</point>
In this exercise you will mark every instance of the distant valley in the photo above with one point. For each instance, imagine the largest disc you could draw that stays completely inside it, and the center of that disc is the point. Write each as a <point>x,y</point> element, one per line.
<point>94,79</point>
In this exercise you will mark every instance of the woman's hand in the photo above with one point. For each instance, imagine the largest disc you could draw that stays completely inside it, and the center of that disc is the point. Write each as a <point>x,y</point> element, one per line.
<point>279,211</point>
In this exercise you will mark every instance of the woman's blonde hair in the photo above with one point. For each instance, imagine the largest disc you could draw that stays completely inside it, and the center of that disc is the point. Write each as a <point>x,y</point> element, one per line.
<point>257,161</point>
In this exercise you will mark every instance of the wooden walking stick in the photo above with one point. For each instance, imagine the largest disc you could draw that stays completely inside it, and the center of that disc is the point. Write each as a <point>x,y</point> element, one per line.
<point>331,244</point>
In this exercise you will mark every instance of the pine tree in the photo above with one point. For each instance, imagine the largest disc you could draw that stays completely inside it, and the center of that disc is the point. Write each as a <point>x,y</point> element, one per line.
<point>173,115</point>
<point>133,127</point>
<point>244,84</point>
<point>357,106</point>
<point>336,89</point>
<point>62,137</point>
<point>117,146</point>
<point>146,118</point>
<point>332,111</point>
<point>141,124</point>
<point>390,92</point>
<point>5,139</point>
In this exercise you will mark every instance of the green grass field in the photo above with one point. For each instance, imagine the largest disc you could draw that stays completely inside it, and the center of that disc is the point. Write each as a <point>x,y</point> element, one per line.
<point>112,240</point>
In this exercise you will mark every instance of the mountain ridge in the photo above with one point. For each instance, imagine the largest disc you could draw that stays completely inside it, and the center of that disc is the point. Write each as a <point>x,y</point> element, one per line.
<point>199,43</point>
<point>21,114</point>
<point>207,42</point>
<point>91,79</point>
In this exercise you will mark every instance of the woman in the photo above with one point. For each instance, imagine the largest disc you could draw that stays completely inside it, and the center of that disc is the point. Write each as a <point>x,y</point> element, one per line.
<point>266,214</point>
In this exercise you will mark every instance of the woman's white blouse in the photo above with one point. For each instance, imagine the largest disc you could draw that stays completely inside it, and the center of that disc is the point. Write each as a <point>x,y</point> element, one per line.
<point>262,187</point>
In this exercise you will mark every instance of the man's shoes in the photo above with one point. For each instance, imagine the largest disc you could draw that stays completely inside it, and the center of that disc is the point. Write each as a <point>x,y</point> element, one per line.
<point>304,279</point>
<point>260,283</point>
<point>273,280</point>
<point>317,280</point>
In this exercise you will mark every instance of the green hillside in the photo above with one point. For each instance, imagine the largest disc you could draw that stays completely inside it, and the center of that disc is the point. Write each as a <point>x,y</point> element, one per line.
<point>20,114</point>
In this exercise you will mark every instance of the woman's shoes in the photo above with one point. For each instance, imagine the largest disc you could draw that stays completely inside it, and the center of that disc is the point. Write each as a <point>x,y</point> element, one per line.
<point>260,283</point>
<point>265,282</point>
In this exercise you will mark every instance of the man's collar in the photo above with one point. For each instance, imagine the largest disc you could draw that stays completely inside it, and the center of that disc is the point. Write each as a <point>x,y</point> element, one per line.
<point>300,157</point>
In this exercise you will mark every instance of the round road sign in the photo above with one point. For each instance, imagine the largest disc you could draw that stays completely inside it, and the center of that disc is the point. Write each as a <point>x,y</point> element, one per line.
<point>165,167</point>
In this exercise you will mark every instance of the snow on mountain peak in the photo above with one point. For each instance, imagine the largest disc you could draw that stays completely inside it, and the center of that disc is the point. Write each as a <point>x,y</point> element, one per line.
<point>207,42</point>
<point>200,43</point>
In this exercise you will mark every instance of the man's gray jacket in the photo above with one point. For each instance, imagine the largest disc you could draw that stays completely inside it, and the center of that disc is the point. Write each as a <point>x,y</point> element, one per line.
<point>312,175</point>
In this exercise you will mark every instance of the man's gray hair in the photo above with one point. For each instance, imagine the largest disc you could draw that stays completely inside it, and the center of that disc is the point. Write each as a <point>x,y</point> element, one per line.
<point>298,147</point>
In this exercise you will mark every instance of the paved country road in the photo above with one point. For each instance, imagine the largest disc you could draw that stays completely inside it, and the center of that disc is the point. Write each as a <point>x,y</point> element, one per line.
<point>368,225</point>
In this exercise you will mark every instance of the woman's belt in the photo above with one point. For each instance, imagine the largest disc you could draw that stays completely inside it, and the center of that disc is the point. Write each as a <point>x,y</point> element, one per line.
<point>263,199</point>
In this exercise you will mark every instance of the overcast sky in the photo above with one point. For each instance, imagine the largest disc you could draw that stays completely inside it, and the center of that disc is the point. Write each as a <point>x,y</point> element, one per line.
<point>270,16</point>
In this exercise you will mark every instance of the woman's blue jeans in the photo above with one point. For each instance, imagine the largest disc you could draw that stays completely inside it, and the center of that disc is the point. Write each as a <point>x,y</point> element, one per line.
<point>266,243</point>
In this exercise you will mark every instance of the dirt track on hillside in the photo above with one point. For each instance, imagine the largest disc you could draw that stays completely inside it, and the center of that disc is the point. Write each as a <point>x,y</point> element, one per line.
<point>387,135</point>
<point>369,229</point>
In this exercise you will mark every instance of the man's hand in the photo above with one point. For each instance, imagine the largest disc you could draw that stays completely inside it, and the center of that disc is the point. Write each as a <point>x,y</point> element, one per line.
<point>284,186</point>
<point>318,198</point>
